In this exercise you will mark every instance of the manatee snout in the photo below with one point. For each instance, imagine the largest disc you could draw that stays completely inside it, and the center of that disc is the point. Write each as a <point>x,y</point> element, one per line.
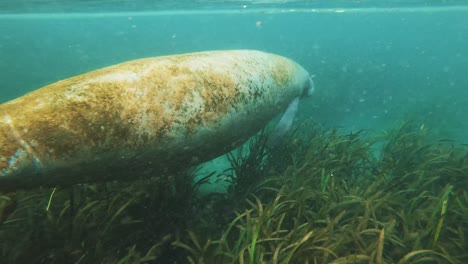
<point>309,87</point>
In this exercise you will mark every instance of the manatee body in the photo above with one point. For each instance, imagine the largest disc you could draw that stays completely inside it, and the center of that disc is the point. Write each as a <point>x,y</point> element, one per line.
<point>143,117</point>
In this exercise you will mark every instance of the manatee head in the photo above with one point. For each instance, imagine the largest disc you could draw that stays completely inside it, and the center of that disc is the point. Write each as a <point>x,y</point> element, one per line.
<point>309,87</point>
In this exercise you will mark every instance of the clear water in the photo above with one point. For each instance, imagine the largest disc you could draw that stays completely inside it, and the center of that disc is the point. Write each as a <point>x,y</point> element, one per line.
<point>53,6</point>
<point>376,62</point>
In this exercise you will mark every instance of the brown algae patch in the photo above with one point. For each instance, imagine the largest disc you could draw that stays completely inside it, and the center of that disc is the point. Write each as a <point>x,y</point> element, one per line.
<point>281,72</point>
<point>61,125</point>
<point>143,104</point>
<point>180,99</point>
<point>8,145</point>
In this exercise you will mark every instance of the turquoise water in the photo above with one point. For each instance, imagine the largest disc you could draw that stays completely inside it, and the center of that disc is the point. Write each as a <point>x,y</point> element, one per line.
<point>373,65</point>
<point>376,63</point>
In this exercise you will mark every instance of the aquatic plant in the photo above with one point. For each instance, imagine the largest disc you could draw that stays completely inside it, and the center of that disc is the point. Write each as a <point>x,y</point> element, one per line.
<point>340,203</point>
<point>85,223</point>
<point>324,196</point>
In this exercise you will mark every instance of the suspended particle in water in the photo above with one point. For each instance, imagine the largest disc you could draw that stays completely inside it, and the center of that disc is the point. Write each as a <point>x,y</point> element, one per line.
<point>258,24</point>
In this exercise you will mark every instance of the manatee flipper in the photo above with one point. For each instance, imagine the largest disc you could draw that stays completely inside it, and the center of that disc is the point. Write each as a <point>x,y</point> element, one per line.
<point>284,124</point>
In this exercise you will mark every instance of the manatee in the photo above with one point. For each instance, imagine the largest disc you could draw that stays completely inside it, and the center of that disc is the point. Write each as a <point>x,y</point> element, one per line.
<point>145,117</point>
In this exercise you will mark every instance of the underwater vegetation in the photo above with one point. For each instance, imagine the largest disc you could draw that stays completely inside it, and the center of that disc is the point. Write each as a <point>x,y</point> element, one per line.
<point>323,196</point>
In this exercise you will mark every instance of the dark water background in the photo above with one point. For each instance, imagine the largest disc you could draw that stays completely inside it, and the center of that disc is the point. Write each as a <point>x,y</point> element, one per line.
<point>375,64</point>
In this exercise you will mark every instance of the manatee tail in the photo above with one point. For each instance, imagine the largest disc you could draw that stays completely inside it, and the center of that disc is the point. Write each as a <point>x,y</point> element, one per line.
<point>284,124</point>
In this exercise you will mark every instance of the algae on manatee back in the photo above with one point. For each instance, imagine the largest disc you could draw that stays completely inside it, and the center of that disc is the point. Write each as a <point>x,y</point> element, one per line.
<point>143,117</point>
